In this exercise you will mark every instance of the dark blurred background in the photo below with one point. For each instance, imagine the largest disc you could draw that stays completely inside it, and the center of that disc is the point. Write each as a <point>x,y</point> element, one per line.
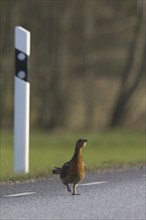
<point>87,64</point>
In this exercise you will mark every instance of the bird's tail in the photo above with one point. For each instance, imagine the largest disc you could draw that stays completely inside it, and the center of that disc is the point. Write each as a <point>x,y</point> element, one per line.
<point>56,170</point>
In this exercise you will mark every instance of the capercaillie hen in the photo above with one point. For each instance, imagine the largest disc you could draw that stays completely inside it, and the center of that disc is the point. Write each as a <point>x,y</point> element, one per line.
<point>73,171</point>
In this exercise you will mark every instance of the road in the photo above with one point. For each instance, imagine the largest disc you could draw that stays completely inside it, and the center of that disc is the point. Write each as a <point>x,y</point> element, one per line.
<point>108,195</point>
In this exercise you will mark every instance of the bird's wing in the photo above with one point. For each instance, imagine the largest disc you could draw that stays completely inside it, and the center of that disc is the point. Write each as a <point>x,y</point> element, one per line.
<point>64,170</point>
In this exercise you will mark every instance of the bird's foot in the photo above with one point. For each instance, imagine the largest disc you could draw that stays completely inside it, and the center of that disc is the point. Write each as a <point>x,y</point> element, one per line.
<point>74,194</point>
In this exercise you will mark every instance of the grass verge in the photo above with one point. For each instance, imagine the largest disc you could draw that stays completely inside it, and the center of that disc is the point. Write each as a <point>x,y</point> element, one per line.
<point>104,150</point>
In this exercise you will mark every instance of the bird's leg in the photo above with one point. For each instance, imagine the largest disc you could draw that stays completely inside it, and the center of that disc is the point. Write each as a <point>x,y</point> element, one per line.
<point>75,189</point>
<point>68,188</point>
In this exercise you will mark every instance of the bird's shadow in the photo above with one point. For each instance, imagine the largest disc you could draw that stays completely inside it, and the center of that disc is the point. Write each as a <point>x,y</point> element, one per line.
<point>67,195</point>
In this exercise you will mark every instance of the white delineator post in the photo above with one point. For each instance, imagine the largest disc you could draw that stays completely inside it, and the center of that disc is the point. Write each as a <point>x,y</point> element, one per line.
<point>21,100</point>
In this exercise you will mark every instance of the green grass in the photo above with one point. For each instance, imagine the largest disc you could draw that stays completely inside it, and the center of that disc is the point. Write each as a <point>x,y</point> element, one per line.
<point>104,149</point>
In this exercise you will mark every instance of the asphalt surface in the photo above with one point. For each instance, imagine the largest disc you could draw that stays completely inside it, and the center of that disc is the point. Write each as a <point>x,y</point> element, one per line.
<point>110,195</point>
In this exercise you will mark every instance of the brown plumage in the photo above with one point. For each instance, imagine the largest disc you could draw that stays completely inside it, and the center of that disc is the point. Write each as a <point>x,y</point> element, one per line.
<point>73,171</point>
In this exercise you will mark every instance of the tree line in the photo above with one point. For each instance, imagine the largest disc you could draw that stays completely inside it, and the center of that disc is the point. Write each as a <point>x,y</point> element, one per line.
<point>86,66</point>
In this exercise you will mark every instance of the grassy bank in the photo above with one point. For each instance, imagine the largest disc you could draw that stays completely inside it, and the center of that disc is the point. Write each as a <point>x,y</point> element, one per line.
<point>107,149</point>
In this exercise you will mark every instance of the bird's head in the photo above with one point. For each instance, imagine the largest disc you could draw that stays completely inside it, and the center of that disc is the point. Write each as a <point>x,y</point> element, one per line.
<point>81,143</point>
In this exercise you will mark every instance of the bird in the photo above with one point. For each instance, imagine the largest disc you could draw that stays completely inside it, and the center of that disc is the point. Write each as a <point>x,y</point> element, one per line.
<point>73,171</point>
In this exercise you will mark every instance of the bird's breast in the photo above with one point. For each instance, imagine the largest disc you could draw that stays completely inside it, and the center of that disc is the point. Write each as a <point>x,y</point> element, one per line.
<point>77,171</point>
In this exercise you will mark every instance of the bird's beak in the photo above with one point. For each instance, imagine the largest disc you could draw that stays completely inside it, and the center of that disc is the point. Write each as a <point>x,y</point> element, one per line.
<point>85,142</point>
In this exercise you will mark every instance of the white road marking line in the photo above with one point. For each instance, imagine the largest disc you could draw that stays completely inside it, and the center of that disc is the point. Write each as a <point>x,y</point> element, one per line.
<point>19,194</point>
<point>92,183</point>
